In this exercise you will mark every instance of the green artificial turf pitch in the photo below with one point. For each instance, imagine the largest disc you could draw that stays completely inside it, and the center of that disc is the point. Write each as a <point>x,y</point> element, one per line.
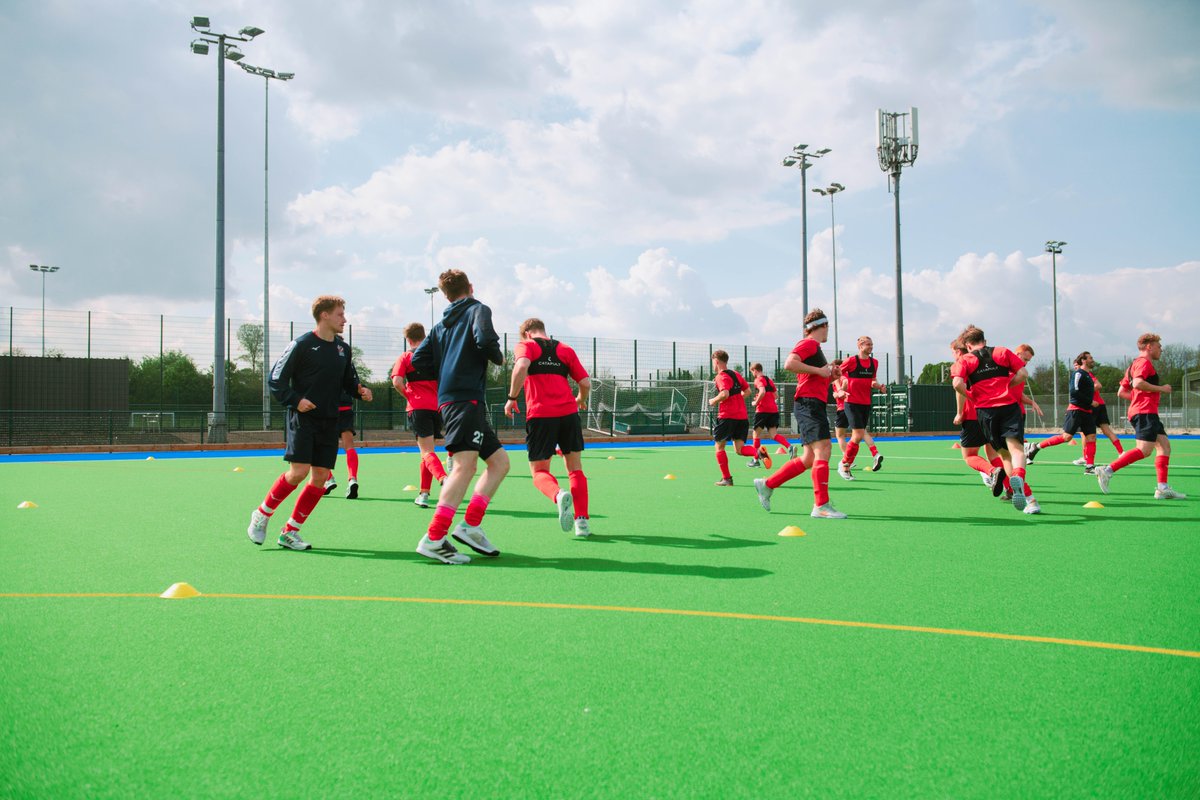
<point>320,697</point>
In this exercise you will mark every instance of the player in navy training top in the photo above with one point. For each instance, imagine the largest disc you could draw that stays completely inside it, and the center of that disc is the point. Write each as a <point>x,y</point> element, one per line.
<point>309,379</point>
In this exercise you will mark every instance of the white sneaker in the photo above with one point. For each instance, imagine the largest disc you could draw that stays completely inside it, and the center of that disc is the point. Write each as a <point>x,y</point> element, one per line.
<point>1031,451</point>
<point>422,500</point>
<point>441,551</point>
<point>827,511</point>
<point>330,485</point>
<point>449,463</point>
<point>258,526</point>
<point>754,462</point>
<point>764,493</point>
<point>1018,489</point>
<point>292,541</point>
<point>878,462</point>
<point>987,479</point>
<point>1103,476</point>
<point>844,471</point>
<point>566,509</point>
<point>1032,506</point>
<point>1079,462</point>
<point>582,530</point>
<point>794,451</point>
<point>473,537</point>
<point>352,489</point>
<point>1167,493</point>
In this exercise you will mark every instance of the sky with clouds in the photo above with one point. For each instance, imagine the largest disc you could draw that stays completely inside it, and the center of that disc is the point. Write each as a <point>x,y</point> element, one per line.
<point>614,167</point>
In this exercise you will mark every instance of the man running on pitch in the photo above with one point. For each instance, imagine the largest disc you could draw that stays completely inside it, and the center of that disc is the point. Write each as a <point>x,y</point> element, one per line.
<point>859,373</point>
<point>1079,417</point>
<point>971,438</point>
<point>421,394</point>
<point>766,416</point>
<point>733,421</point>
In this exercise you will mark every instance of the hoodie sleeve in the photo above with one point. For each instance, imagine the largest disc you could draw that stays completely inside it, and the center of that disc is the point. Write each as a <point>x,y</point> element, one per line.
<point>425,357</point>
<point>350,380</point>
<point>281,377</point>
<point>486,339</point>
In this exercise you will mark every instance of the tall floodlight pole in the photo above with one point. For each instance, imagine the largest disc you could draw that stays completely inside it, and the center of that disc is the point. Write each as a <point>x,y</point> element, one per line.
<point>833,189</point>
<point>268,75</point>
<point>45,271</point>
<point>431,291</point>
<point>799,158</point>
<point>896,145</point>
<point>1054,248</point>
<point>226,48</point>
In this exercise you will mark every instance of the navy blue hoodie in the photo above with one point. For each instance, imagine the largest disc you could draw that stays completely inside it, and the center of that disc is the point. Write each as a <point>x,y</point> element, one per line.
<point>458,350</point>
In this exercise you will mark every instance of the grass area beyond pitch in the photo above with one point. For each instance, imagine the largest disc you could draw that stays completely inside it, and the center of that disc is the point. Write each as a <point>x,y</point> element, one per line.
<point>685,650</point>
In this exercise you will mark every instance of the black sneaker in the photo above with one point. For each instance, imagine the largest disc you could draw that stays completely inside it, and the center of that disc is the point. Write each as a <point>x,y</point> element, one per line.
<point>352,490</point>
<point>878,462</point>
<point>997,481</point>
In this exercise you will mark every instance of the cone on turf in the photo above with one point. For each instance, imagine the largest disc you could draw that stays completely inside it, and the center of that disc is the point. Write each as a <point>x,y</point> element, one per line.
<point>179,591</point>
<point>1093,504</point>
<point>791,530</point>
<point>409,488</point>
<point>612,458</point>
<point>27,504</point>
<point>149,458</point>
<point>668,477</point>
<point>239,469</point>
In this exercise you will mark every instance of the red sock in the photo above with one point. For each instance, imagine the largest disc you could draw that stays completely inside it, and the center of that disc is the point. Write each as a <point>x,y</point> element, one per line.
<point>820,479</point>
<point>723,463</point>
<point>579,492</point>
<point>785,473</point>
<point>305,504</point>
<point>426,477</point>
<point>1089,453</point>
<point>279,492</point>
<point>1127,458</point>
<point>546,483</point>
<point>476,509</point>
<point>434,464</point>
<point>747,450</point>
<point>1160,467</point>
<point>1061,438</point>
<point>1019,472</point>
<point>783,442</point>
<point>1028,491</point>
<point>874,450</point>
<point>757,446</point>
<point>1117,444</point>
<point>848,459</point>
<point>979,464</point>
<point>352,463</point>
<point>442,517</point>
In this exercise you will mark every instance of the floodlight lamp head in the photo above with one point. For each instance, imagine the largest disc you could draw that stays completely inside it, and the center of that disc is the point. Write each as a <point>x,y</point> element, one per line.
<point>200,22</point>
<point>789,162</point>
<point>285,76</point>
<point>251,31</point>
<point>234,54</point>
<point>837,187</point>
<point>200,48</point>
<point>799,147</point>
<point>821,192</point>
<point>824,151</point>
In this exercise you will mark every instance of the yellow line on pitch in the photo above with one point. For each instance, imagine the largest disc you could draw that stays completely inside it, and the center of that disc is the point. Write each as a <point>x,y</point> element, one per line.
<point>1012,637</point>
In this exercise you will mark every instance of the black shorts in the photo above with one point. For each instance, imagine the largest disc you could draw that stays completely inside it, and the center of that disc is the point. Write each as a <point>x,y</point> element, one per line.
<point>812,422</point>
<point>544,435</point>
<point>1077,421</point>
<point>735,429</point>
<point>840,420</point>
<point>1100,415</point>
<point>765,420</point>
<point>425,422</point>
<point>1001,423</point>
<point>467,428</point>
<point>311,440</point>
<point>1147,427</point>
<point>345,421</point>
<point>972,434</point>
<point>859,414</point>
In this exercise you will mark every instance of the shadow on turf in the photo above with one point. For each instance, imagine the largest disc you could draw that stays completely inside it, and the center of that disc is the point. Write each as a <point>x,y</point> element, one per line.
<point>1050,518</point>
<point>715,542</point>
<point>517,561</point>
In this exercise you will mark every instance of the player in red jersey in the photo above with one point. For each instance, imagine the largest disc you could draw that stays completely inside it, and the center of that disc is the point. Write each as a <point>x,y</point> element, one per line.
<point>766,416</point>
<point>1142,388</point>
<point>420,393</point>
<point>971,438</point>
<point>813,373</point>
<point>991,378</point>
<point>542,366</point>
<point>733,421</point>
<point>859,373</point>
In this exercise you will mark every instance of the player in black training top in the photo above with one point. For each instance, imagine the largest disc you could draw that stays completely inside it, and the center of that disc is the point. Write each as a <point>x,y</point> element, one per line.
<point>309,378</point>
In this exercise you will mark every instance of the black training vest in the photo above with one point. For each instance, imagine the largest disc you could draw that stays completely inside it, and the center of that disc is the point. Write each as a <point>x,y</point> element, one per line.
<point>866,372</point>
<point>767,385</point>
<point>415,374</point>
<point>1152,379</point>
<point>548,363</point>
<point>987,367</point>
<point>739,383</point>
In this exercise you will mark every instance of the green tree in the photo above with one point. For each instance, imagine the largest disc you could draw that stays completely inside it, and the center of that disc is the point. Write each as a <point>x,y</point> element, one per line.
<point>172,380</point>
<point>360,364</point>
<point>935,373</point>
<point>250,337</point>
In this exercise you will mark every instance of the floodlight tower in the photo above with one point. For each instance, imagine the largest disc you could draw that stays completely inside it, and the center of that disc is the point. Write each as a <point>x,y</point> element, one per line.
<point>896,144</point>
<point>45,270</point>
<point>1054,248</point>
<point>431,291</point>
<point>226,49</point>
<point>268,75</point>
<point>833,189</point>
<point>799,158</point>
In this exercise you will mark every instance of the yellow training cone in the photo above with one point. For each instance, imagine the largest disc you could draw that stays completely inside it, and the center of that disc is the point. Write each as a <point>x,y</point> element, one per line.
<point>149,458</point>
<point>27,504</point>
<point>791,530</point>
<point>1093,504</point>
<point>239,469</point>
<point>179,591</point>
<point>409,488</point>
<point>612,458</point>
<point>668,477</point>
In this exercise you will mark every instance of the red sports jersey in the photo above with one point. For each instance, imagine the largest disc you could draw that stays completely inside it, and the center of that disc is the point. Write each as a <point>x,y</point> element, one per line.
<point>807,385</point>
<point>419,390</point>
<point>734,406</point>
<point>767,404</point>
<point>1018,395</point>
<point>1142,402</point>
<point>547,392</point>
<point>860,374</point>
<point>990,388</point>
<point>968,409</point>
<point>1097,400</point>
